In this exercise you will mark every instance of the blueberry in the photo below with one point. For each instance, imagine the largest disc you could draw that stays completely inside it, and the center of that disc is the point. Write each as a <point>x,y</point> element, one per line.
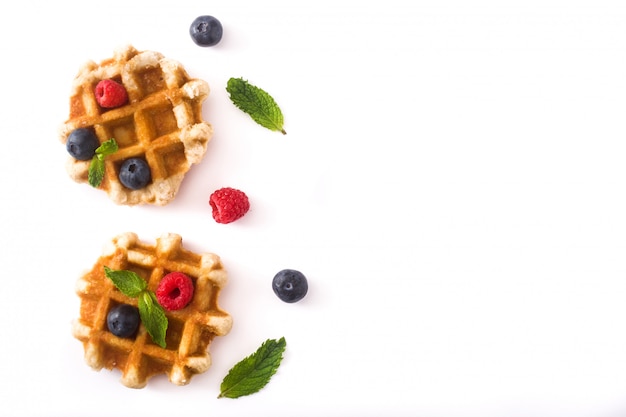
<point>206,31</point>
<point>290,285</point>
<point>123,320</point>
<point>82,144</point>
<point>135,173</point>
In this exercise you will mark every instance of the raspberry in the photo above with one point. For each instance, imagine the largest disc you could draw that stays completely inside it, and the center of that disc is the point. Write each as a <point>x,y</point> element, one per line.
<point>175,291</point>
<point>228,204</point>
<point>110,94</point>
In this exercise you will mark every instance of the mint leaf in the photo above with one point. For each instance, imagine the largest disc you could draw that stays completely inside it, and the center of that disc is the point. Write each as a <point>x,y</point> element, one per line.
<point>150,311</point>
<point>153,317</point>
<point>96,172</point>
<point>256,103</point>
<point>107,148</point>
<point>96,167</point>
<point>255,371</point>
<point>128,282</point>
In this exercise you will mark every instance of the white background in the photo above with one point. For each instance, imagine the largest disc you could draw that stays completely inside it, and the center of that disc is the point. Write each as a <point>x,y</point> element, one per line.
<point>452,184</point>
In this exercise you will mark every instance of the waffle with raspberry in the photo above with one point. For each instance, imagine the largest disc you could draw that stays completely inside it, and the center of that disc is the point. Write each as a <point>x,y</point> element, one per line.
<point>161,122</point>
<point>190,330</point>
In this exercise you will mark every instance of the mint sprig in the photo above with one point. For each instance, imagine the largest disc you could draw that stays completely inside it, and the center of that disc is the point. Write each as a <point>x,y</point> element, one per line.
<point>257,103</point>
<point>252,373</point>
<point>150,311</point>
<point>153,317</point>
<point>96,167</point>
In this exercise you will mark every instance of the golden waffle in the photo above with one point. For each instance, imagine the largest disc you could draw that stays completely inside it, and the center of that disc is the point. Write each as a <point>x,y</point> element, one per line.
<point>190,330</point>
<point>161,123</point>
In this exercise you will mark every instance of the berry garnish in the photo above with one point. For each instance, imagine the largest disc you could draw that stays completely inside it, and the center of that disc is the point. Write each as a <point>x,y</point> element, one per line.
<point>135,173</point>
<point>228,204</point>
<point>110,94</point>
<point>82,144</point>
<point>123,320</point>
<point>206,31</point>
<point>151,312</point>
<point>175,291</point>
<point>290,285</point>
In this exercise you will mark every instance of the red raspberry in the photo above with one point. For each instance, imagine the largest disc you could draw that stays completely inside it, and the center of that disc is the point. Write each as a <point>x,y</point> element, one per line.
<point>175,291</point>
<point>228,204</point>
<point>110,94</point>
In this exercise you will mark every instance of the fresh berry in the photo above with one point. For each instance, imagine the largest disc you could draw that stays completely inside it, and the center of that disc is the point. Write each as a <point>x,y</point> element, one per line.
<point>123,320</point>
<point>110,94</point>
<point>82,144</point>
<point>175,291</point>
<point>206,31</point>
<point>290,285</point>
<point>135,173</point>
<point>228,204</point>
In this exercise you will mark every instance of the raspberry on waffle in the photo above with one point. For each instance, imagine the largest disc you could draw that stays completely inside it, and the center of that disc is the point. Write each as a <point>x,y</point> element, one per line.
<point>190,329</point>
<point>161,122</point>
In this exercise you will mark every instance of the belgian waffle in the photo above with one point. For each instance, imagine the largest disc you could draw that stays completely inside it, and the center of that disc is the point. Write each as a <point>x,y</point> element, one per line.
<point>190,330</point>
<point>161,123</point>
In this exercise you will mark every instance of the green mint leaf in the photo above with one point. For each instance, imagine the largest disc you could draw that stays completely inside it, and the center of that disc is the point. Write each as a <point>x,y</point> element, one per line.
<point>255,371</point>
<point>150,311</point>
<point>107,148</point>
<point>256,103</point>
<point>128,282</point>
<point>153,317</point>
<point>96,172</point>
<point>96,167</point>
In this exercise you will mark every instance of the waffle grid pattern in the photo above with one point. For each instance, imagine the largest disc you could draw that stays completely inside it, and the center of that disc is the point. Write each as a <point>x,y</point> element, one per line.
<point>190,330</point>
<point>162,122</point>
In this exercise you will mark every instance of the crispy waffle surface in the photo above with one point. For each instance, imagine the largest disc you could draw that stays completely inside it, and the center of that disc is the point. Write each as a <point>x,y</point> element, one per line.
<point>190,330</point>
<point>161,123</point>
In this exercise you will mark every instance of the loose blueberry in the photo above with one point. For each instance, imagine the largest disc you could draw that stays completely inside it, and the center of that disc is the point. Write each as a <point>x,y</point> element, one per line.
<point>135,173</point>
<point>123,320</point>
<point>82,144</point>
<point>290,285</point>
<point>206,31</point>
